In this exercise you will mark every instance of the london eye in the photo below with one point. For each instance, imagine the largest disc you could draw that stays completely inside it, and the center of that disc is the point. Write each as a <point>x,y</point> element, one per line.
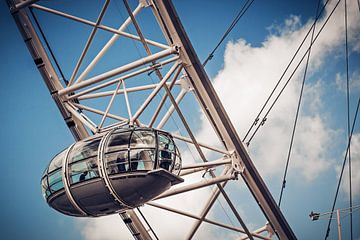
<point>154,146</point>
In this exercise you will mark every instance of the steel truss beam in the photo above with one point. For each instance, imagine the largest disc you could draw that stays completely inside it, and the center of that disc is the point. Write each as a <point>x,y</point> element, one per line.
<point>218,117</point>
<point>179,51</point>
<point>190,215</point>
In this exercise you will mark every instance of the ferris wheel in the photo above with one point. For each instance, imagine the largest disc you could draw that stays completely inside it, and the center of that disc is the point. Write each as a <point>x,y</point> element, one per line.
<point>133,105</point>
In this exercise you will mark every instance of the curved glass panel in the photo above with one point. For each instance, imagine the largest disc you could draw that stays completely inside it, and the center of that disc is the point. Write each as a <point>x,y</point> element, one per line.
<point>57,161</point>
<point>142,159</point>
<point>177,164</point>
<point>45,188</point>
<point>84,149</point>
<point>55,181</point>
<point>142,139</point>
<point>83,170</point>
<point>166,152</point>
<point>117,162</point>
<point>119,140</point>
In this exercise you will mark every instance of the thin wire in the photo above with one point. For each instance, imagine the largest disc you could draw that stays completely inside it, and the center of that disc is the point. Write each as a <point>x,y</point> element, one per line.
<point>146,221</point>
<point>292,74</point>
<point>284,72</point>
<point>48,45</point>
<point>342,170</point>
<point>242,11</point>
<point>227,215</point>
<point>297,111</point>
<point>348,116</point>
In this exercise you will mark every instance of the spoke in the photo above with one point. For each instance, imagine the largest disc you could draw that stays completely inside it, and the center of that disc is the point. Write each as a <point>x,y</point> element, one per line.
<point>124,77</point>
<point>172,109</point>
<point>194,186</point>
<point>163,99</point>
<point>88,42</point>
<point>190,215</point>
<point>120,91</point>
<point>127,100</point>
<point>109,105</point>
<point>155,91</point>
<point>188,140</point>
<point>209,164</point>
<point>108,45</point>
<point>118,70</point>
<point>99,112</point>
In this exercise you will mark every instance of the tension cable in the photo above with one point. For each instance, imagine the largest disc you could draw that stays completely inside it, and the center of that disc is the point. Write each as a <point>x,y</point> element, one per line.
<point>242,11</point>
<point>297,110</point>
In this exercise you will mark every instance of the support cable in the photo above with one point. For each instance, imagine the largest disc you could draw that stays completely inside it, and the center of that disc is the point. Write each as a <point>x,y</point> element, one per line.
<point>257,118</point>
<point>48,45</point>
<point>297,110</point>
<point>242,11</point>
<point>348,117</point>
<point>146,221</point>
<point>292,74</point>
<point>342,170</point>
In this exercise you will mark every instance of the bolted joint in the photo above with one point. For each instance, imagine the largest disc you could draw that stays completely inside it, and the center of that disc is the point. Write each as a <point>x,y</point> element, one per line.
<point>236,164</point>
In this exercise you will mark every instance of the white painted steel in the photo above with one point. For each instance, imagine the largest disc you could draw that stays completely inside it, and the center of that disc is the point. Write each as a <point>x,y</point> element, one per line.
<point>190,215</point>
<point>108,45</point>
<point>109,105</point>
<point>88,42</point>
<point>120,91</point>
<point>126,100</point>
<point>201,144</point>
<point>118,70</point>
<point>197,185</point>
<point>80,118</point>
<point>108,83</point>
<point>66,182</point>
<point>155,91</point>
<point>106,28</point>
<point>93,110</point>
<point>213,163</point>
<point>171,109</point>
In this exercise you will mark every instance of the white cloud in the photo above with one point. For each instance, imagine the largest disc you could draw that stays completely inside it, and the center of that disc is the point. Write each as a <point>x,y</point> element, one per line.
<point>355,166</point>
<point>249,74</point>
<point>354,82</point>
<point>104,228</point>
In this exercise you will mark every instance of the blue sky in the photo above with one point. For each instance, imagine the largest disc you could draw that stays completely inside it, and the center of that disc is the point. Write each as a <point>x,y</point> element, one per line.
<point>33,130</point>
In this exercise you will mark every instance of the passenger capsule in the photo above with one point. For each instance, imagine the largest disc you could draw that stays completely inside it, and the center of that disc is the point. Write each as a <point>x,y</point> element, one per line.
<point>112,172</point>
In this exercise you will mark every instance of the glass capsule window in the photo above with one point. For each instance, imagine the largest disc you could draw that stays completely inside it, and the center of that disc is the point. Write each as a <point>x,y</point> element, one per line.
<point>142,139</point>
<point>142,159</point>
<point>166,151</point>
<point>128,151</point>
<point>55,181</point>
<point>83,161</point>
<point>45,187</point>
<point>117,162</point>
<point>57,161</point>
<point>125,151</point>
<point>177,163</point>
<point>52,177</point>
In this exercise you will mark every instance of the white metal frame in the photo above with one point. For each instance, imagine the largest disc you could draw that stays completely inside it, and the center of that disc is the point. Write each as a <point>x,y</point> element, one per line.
<point>185,73</point>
